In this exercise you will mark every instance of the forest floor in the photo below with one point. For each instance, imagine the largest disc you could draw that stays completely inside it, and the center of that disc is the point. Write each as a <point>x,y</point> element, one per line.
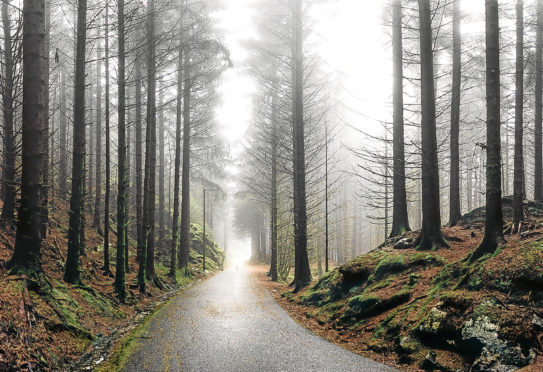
<point>63,327</point>
<point>434,310</point>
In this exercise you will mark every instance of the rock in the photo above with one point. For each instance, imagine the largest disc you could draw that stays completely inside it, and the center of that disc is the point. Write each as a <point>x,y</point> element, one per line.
<point>495,355</point>
<point>432,323</point>
<point>430,364</point>
<point>405,243</point>
<point>537,322</point>
<point>409,345</point>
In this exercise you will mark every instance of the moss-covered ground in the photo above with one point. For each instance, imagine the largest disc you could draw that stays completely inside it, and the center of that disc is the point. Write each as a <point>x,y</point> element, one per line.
<point>397,305</point>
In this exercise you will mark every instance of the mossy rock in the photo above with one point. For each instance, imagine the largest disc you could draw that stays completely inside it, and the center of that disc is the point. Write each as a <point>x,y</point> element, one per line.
<point>364,306</point>
<point>389,265</point>
<point>409,345</point>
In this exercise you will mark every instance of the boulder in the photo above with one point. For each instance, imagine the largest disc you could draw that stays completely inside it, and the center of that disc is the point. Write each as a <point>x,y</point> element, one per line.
<point>537,322</point>
<point>494,355</point>
<point>405,243</point>
<point>432,324</point>
<point>409,345</point>
<point>430,364</point>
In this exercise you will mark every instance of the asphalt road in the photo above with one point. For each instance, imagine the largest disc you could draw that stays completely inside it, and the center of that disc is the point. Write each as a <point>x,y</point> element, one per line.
<point>230,323</point>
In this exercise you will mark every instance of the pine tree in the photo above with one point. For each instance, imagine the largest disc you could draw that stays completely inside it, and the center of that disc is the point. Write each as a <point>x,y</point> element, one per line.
<point>455,213</point>
<point>72,269</point>
<point>184,246</point>
<point>120,271</point>
<point>26,257</point>
<point>430,236</point>
<point>8,135</point>
<point>494,215</point>
<point>302,271</point>
<point>400,219</point>
<point>177,165</point>
<point>106,267</point>
<point>518,182</point>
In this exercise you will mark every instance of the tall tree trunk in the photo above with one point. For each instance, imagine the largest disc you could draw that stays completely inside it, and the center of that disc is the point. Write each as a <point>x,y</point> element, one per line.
<point>184,246</point>
<point>400,218</point>
<point>326,203</point>
<point>106,267</point>
<point>518,182</point>
<point>430,236</point>
<point>386,181</point>
<point>455,214</point>
<point>53,145</point>
<point>302,271</point>
<point>26,257</point>
<point>139,163</point>
<point>161,169</point>
<point>494,216</point>
<point>63,142</point>
<point>120,275</point>
<point>72,270</point>
<point>150,154</point>
<point>273,212</point>
<point>177,171</point>
<point>128,191</point>
<point>90,161</point>
<point>469,189</point>
<point>44,202</point>
<point>97,223</point>
<point>8,176</point>
<point>538,188</point>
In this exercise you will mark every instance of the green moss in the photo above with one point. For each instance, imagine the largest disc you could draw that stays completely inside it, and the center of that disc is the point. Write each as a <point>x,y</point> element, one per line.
<point>388,265</point>
<point>476,280</point>
<point>327,279</point>
<point>360,304</point>
<point>130,342</point>
<point>101,305</point>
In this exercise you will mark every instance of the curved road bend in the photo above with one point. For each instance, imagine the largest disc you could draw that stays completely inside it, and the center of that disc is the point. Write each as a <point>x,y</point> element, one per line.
<point>230,323</point>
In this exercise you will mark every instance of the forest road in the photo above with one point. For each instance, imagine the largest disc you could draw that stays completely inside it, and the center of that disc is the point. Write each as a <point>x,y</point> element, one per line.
<point>230,323</point>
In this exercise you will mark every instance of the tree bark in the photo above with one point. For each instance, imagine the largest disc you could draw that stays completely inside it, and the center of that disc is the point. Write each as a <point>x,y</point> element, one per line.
<point>26,257</point>
<point>538,187</point>
<point>8,176</point>
<point>455,214</point>
<point>518,182</point>
<point>97,223</point>
<point>302,271</point>
<point>150,153</point>
<point>400,218</point>
<point>44,202</point>
<point>161,170</point>
<point>139,163</point>
<point>494,216</point>
<point>273,211</point>
<point>72,271</point>
<point>184,247</point>
<point>430,236</point>
<point>106,267</point>
<point>177,171</point>
<point>120,271</point>
<point>63,142</point>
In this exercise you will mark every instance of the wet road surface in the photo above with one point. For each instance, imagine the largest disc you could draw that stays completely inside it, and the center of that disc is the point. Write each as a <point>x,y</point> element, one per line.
<point>230,323</point>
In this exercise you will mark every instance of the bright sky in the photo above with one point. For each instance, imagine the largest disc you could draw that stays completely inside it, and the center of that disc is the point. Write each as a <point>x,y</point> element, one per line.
<point>351,41</point>
<point>339,31</point>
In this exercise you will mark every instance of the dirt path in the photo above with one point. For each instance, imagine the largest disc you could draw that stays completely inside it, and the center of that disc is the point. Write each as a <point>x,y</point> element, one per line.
<point>230,323</point>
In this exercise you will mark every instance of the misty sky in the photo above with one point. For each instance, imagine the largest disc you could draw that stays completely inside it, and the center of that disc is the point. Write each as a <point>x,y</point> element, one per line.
<point>352,42</point>
<point>354,46</point>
